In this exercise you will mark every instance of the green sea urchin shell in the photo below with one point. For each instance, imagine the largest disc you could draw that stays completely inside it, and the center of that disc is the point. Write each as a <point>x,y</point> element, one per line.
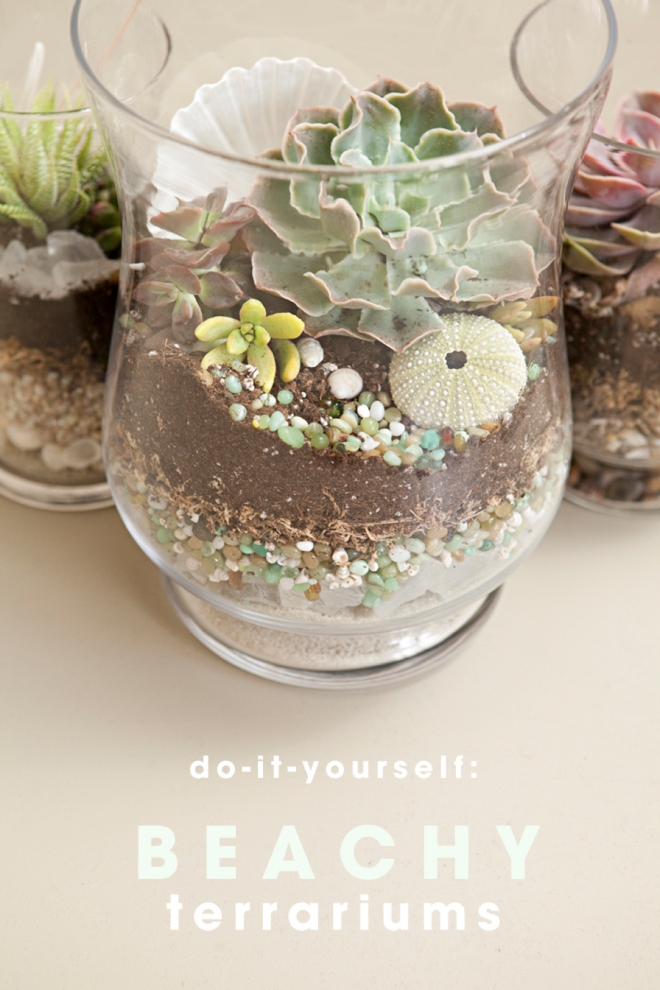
<point>470,373</point>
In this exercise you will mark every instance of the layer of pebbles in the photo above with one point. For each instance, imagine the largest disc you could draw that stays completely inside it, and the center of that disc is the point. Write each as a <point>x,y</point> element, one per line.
<point>601,484</point>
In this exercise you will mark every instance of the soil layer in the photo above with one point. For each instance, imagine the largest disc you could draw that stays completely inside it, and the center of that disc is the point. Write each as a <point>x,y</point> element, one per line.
<point>172,428</point>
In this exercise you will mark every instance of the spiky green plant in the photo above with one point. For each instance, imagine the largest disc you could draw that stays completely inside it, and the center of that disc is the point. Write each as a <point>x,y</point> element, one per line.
<point>49,171</point>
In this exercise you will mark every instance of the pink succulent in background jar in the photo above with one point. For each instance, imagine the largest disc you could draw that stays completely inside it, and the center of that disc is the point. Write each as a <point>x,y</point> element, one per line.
<point>612,299</point>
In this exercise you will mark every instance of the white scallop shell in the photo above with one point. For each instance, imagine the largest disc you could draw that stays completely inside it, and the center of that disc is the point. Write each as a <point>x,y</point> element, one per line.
<point>247,111</point>
<point>244,114</point>
<point>433,395</point>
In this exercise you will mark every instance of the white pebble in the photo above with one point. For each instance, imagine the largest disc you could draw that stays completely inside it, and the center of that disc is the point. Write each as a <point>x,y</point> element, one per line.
<point>53,457</point>
<point>82,453</point>
<point>311,352</point>
<point>399,554</point>
<point>286,584</point>
<point>345,383</point>
<point>218,543</point>
<point>638,454</point>
<point>305,545</point>
<point>363,412</point>
<point>397,429</point>
<point>446,558</point>
<point>24,437</point>
<point>377,411</point>
<point>370,444</point>
<point>373,565</point>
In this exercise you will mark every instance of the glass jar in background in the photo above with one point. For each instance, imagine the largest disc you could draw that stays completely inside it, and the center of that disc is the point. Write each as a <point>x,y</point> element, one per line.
<point>338,409</point>
<point>611,286</point>
<point>60,239</point>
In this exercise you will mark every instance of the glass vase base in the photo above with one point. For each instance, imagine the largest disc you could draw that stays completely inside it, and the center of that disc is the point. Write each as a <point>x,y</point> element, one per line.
<point>231,638</point>
<point>57,498</point>
<point>612,490</point>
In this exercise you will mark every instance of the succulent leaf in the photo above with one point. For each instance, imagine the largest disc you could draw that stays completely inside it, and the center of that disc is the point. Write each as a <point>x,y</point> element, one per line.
<point>287,359</point>
<point>283,326</point>
<point>263,360</point>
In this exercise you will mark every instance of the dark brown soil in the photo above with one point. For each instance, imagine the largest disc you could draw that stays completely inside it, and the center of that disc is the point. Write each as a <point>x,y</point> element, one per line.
<point>82,319</point>
<point>174,431</point>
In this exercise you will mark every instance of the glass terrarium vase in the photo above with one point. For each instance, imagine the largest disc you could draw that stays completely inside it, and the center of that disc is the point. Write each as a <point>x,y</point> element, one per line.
<point>612,285</point>
<point>59,248</point>
<point>338,405</point>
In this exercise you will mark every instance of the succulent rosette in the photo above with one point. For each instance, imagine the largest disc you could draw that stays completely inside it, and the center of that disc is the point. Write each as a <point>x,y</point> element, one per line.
<point>614,212</point>
<point>370,255</point>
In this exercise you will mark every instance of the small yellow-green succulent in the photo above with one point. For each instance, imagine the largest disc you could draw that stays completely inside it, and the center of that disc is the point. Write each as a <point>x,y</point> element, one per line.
<point>265,341</point>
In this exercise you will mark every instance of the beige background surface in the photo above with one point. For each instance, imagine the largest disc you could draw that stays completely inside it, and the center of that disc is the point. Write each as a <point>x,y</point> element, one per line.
<point>106,701</point>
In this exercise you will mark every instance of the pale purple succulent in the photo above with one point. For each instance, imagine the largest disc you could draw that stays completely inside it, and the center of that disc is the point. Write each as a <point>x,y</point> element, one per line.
<point>614,212</point>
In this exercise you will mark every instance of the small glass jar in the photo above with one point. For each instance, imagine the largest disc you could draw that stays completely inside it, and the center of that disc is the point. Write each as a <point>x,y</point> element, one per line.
<point>611,286</point>
<point>60,239</point>
<point>338,407</point>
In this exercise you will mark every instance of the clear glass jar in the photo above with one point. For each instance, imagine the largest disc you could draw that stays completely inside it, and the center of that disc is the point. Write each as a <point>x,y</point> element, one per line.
<point>60,240</point>
<point>611,286</point>
<point>338,407</point>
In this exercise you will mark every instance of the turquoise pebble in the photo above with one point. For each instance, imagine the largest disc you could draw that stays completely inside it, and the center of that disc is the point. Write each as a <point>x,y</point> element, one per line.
<point>360,567</point>
<point>506,538</point>
<point>285,397</point>
<point>277,419</point>
<point>299,422</point>
<point>263,422</point>
<point>291,436</point>
<point>470,551</point>
<point>320,441</point>
<point>313,428</point>
<point>375,579</point>
<point>371,600</point>
<point>415,449</point>
<point>163,535</point>
<point>533,371</point>
<point>454,543</point>
<point>392,459</point>
<point>415,546</point>
<point>369,425</point>
<point>366,399</point>
<point>487,545</point>
<point>260,549</point>
<point>353,444</point>
<point>233,384</point>
<point>273,573</point>
<point>437,455</point>
<point>244,549</point>
<point>430,440</point>
<point>300,589</point>
<point>291,572</point>
<point>391,584</point>
<point>207,549</point>
<point>237,412</point>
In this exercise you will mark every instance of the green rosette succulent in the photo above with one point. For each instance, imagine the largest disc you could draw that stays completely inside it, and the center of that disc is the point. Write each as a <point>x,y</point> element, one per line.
<point>374,255</point>
<point>52,176</point>
<point>264,341</point>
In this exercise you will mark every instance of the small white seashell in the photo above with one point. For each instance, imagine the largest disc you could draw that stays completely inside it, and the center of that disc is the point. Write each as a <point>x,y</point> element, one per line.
<point>470,373</point>
<point>24,437</point>
<point>311,352</point>
<point>53,457</point>
<point>345,383</point>
<point>82,453</point>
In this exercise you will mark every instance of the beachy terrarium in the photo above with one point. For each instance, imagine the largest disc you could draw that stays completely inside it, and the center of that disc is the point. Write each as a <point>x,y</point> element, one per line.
<point>60,238</point>
<point>612,287</point>
<point>338,410</point>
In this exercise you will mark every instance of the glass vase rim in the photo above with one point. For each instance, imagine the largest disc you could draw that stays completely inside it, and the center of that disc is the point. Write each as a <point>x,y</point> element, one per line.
<point>51,116</point>
<point>630,149</point>
<point>277,169</point>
